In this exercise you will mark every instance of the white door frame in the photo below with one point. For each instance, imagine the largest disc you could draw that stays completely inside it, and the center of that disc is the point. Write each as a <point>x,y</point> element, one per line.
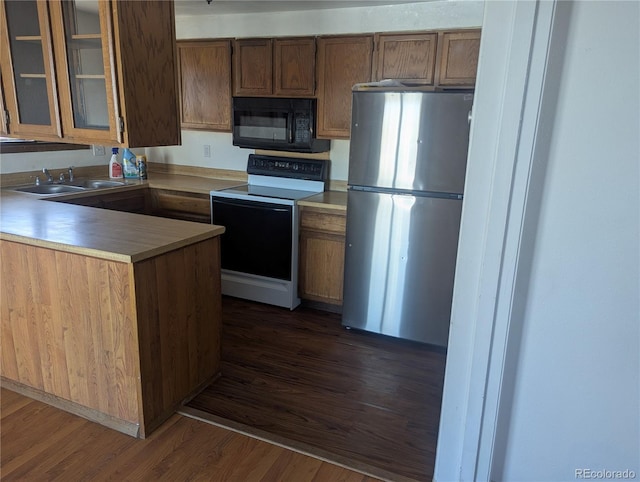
<point>505,133</point>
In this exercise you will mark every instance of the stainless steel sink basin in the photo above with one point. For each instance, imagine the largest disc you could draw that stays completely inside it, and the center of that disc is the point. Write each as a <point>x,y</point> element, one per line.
<point>98,183</point>
<point>50,189</point>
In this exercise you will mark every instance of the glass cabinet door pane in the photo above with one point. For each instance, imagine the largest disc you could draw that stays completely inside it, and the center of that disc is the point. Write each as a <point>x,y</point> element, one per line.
<point>86,64</point>
<point>28,62</point>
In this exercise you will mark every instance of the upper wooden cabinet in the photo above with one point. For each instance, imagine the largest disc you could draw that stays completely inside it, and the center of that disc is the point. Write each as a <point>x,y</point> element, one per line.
<point>294,67</point>
<point>282,67</point>
<point>253,67</point>
<point>342,62</point>
<point>458,58</point>
<point>205,84</point>
<point>410,58</point>
<point>28,77</point>
<point>105,69</point>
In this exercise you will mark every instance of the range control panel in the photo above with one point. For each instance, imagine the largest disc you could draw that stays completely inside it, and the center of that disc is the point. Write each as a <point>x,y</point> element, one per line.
<point>311,169</point>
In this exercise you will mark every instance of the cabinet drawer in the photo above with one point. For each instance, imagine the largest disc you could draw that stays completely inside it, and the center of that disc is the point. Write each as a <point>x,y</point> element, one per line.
<point>323,220</point>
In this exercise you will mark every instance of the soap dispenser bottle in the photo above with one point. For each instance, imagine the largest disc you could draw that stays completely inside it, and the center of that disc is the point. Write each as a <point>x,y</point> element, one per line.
<point>115,168</point>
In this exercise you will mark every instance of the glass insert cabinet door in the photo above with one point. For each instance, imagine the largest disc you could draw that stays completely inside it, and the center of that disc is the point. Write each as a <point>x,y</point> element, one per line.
<point>82,33</point>
<point>26,64</point>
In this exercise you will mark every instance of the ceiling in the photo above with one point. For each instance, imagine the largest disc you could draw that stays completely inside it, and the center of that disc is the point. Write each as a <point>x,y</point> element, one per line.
<point>223,7</point>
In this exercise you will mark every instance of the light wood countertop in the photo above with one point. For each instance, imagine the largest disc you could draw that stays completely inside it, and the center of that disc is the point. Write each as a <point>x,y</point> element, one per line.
<point>116,235</point>
<point>327,200</point>
<point>100,233</point>
<point>194,184</point>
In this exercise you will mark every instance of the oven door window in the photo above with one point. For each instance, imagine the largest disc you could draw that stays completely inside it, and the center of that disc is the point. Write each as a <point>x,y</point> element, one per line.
<point>258,236</point>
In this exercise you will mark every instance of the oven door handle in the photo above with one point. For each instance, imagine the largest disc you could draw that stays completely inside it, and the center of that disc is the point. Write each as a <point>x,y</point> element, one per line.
<point>290,124</point>
<point>248,204</point>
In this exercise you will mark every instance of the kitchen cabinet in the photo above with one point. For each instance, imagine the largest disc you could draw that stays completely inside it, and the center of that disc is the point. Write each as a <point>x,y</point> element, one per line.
<point>410,57</point>
<point>321,260</point>
<point>91,71</point>
<point>281,67</point>
<point>458,58</point>
<point>253,67</point>
<point>29,86</point>
<point>342,62</point>
<point>181,205</point>
<point>294,67</point>
<point>129,200</point>
<point>205,85</point>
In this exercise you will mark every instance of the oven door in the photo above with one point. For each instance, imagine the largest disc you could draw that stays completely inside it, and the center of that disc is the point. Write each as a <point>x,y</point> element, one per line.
<point>258,236</point>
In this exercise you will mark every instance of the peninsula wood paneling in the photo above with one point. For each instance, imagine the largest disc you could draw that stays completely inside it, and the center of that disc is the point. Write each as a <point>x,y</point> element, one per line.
<point>119,343</point>
<point>179,329</point>
<point>70,322</point>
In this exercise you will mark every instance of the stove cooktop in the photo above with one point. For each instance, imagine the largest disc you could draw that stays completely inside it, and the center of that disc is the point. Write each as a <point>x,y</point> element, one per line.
<point>248,191</point>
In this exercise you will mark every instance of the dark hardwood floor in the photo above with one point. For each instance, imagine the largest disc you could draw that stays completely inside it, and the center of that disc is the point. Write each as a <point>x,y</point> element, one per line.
<point>300,379</point>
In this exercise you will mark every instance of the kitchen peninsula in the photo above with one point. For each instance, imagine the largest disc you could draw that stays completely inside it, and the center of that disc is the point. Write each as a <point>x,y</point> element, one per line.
<point>110,315</point>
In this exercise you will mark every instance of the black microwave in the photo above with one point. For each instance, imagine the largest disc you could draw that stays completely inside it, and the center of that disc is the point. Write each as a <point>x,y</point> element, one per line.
<point>276,124</point>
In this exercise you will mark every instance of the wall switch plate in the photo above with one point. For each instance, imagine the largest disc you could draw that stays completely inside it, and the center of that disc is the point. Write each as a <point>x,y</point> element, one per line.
<point>98,150</point>
<point>207,150</point>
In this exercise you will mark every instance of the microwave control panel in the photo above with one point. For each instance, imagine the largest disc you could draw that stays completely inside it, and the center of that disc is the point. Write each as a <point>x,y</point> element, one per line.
<point>303,127</point>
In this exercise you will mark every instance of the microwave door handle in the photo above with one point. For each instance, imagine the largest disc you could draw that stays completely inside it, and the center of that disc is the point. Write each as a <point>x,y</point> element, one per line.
<point>290,124</point>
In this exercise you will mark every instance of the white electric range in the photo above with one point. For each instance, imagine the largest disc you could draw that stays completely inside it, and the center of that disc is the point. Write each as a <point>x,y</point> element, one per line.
<point>259,249</point>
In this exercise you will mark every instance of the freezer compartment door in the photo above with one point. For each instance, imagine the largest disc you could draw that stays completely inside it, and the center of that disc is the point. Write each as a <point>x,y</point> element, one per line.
<point>414,141</point>
<point>399,264</point>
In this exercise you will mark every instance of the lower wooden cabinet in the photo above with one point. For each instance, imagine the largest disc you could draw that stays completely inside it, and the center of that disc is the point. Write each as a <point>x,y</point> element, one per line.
<point>181,205</point>
<point>129,200</point>
<point>321,257</point>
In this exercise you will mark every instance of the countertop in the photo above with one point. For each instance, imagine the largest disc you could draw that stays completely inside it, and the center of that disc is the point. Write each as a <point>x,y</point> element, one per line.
<point>100,233</point>
<point>328,200</point>
<point>116,235</point>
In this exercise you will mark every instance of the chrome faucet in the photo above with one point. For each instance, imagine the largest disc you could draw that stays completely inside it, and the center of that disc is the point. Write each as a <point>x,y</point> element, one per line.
<point>48,174</point>
<point>71,177</point>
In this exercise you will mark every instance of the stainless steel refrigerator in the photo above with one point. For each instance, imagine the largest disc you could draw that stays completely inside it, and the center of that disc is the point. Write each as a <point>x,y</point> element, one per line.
<point>407,163</point>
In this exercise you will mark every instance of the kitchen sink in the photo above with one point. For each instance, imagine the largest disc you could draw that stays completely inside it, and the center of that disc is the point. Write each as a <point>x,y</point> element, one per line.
<point>49,189</point>
<point>97,184</point>
<point>78,185</point>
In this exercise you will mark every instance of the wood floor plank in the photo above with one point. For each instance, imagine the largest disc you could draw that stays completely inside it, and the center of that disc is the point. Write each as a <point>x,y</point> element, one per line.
<point>40,442</point>
<point>299,375</point>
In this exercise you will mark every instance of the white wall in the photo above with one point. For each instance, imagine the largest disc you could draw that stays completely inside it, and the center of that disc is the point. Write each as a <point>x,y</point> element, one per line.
<point>414,16</point>
<point>575,398</point>
<point>35,161</point>
<point>543,365</point>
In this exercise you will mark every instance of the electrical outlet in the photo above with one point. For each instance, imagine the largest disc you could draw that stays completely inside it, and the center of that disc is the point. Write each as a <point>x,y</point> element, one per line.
<point>207,150</point>
<point>98,150</point>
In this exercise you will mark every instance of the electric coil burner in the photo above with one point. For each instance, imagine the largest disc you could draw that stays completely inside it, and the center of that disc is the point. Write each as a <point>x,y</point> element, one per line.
<point>259,249</point>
